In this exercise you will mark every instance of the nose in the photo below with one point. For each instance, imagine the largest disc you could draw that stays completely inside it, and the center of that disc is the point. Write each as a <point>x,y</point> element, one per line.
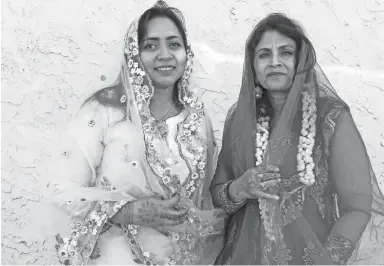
<point>275,60</point>
<point>164,53</point>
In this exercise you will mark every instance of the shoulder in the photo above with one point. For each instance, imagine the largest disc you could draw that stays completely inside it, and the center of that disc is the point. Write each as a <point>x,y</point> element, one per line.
<point>98,114</point>
<point>231,111</point>
<point>330,108</point>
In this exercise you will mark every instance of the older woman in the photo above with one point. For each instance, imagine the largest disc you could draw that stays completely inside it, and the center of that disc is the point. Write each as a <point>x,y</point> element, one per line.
<point>293,171</point>
<point>136,166</point>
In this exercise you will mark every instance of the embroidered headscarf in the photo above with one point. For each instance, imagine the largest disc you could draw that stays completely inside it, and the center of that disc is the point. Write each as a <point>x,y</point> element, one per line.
<point>139,91</point>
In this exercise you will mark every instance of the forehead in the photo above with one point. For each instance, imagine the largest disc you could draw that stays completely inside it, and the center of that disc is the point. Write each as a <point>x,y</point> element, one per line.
<point>274,38</point>
<point>162,27</point>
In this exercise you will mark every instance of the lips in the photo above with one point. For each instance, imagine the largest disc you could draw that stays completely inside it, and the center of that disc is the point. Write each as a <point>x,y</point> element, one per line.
<point>164,68</point>
<point>276,74</point>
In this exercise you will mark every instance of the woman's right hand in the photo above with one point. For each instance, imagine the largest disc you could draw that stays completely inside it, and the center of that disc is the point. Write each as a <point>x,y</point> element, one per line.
<point>254,182</point>
<point>152,212</point>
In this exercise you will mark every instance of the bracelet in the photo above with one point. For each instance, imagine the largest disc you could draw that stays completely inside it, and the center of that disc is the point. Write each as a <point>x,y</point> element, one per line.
<point>339,248</point>
<point>226,203</point>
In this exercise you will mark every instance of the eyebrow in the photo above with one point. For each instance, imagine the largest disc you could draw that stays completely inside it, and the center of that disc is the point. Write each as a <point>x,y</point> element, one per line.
<point>157,38</point>
<point>281,47</point>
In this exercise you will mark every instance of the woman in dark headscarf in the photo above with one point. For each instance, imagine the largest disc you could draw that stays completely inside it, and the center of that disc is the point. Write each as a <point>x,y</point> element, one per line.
<point>293,171</point>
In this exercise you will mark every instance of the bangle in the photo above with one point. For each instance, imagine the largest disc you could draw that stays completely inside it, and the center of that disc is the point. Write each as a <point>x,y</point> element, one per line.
<point>225,201</point>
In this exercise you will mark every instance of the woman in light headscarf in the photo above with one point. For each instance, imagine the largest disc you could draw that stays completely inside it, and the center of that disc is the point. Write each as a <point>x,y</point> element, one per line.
<point>136,166</point>
<point>293,171</point>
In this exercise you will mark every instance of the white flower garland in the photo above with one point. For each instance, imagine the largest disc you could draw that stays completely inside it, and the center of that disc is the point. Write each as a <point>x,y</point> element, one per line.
<point>305,164</point>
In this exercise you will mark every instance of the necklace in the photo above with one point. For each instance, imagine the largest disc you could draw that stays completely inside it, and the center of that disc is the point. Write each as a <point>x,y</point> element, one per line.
<point>164,117</point>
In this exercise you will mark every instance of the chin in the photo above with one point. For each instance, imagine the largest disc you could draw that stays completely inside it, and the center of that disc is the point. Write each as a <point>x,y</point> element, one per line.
<point>277,88</point>
<point>164,83</point>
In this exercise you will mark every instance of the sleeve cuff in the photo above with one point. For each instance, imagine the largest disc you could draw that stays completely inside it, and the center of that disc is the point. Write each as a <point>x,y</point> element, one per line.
<point>339,248</point>
<point>226,203</point>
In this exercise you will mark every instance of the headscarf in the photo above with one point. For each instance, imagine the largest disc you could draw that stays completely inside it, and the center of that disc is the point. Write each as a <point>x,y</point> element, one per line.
<point>140,91</point>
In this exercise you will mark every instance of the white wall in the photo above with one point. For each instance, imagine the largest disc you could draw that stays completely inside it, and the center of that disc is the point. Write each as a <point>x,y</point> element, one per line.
<point>55,51</point>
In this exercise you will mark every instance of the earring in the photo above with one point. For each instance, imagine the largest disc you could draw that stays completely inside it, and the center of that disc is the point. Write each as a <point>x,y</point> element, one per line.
<point>259,92</point>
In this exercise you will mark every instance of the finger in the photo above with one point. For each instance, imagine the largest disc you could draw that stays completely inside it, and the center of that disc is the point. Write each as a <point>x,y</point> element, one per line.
<point>267,168</point>
<point>160,228</point>
<point>262,194</point>
<point>172,201</point>
<point>173,214</point>
<point>270,183</point>
<point>253,180</point>
<point>164,228</point>
<point>171,222</point>
<point>269,176</point>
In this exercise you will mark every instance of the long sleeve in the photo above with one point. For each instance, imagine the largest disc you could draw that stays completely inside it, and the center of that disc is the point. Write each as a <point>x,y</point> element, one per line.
<point>79,153</point>
<point>350,172</point>
<point>224,175</point>
<point>212,151</point>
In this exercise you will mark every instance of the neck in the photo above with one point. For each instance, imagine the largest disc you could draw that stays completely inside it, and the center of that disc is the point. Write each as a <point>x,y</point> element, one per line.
<point>277,100</point>
<point>161,101</point>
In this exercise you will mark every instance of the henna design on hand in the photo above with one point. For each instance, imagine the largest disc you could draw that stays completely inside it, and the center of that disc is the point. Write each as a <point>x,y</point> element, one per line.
<point>148,212</point>
<point>169,216</point>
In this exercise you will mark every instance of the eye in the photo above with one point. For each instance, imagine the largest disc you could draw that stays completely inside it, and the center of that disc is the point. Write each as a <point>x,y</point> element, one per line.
<point>175,45</point>
<point>264,55</point>
<point>149,46</point>
<point>287,53</point>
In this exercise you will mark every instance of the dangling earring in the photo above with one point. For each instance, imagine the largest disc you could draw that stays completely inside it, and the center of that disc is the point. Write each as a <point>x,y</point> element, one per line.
<point>259,92</point>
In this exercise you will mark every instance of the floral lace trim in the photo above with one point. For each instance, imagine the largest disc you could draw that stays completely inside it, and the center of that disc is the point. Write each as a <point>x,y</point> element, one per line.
<point>339,248</point>
<point>281,256</point>
<point>225,202</point>
<point>185,242</point>
<point>192,145</point>
<point>310,250</point>
<point>71,249</point>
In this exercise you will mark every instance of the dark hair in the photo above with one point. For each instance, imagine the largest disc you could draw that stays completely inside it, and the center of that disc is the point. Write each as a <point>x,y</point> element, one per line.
<point>161,9</point>
<point>111,95</point>
<point>288,27</point>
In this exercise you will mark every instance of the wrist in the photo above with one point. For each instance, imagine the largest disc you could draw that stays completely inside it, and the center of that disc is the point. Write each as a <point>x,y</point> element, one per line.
<point>125,215</point>
<point>224,200</point>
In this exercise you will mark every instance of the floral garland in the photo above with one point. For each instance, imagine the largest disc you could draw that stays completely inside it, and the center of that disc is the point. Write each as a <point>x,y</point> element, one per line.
<point>305,164</point>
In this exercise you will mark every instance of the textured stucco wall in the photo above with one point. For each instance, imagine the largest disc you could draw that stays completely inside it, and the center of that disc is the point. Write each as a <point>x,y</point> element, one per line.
<point>54,52</point>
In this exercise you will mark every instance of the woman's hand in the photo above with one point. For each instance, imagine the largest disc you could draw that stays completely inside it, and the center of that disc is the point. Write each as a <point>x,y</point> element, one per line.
<point>151,212</point>
<point>254,182</point>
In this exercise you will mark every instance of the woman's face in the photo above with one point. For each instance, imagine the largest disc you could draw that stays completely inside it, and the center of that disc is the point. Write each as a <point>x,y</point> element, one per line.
<point>162,52</point>
<point>274,62</point>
